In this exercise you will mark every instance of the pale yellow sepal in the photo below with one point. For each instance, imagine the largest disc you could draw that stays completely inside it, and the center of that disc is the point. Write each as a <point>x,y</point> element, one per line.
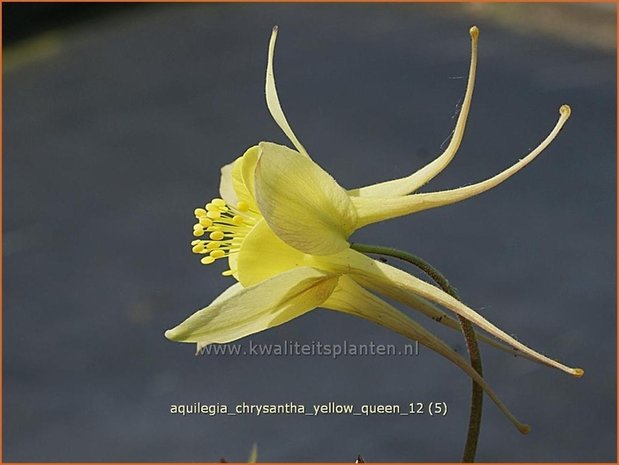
<point>301,202</point>
<point>227,294</point>
<point>372,210</point>
<point>273,100</point>
<point>392,282</point>
<point>226,185</point>
<point>243,170</point>
<point>403,186</point>
<point>351,298</point>
<point>244,311</point>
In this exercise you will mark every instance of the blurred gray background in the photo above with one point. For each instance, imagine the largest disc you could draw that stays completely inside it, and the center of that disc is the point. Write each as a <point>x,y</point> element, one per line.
<point>115,127</point>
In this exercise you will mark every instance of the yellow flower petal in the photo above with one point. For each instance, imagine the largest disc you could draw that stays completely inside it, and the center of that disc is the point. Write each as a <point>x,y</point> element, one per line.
<point>243,176</point>
<point>301,202</point>
<point>403,186</point>
<point>264,255</point>
<point>226,186</point>
<point>392,282</point>
<point>372,210</point>
<point>273,100</point>
<point>351,298</point>
<point>249,310</point>
<point>233,264</point>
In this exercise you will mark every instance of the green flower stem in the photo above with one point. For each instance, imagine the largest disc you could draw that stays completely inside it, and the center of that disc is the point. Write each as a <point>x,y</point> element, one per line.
<point>467,330</point>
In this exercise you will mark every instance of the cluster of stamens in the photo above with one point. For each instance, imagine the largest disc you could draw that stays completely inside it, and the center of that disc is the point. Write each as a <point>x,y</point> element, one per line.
<point>226,227</point>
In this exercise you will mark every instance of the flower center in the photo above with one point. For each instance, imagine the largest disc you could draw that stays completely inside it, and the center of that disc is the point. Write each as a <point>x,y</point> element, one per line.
<point>226,227</point>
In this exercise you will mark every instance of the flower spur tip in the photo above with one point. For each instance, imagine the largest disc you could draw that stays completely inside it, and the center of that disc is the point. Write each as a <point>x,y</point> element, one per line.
<point>275,29</point>
<point>474,32</point>
<point>524,429</point>
<point>565,111</point>
<point>578,372</point>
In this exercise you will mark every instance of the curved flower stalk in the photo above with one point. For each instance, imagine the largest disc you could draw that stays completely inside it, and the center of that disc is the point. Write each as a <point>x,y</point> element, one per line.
<point>283,223</point>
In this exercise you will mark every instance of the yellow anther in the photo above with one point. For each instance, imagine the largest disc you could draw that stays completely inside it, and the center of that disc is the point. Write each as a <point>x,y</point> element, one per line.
<point>218,253</point>
<point>198,248</point>
<point>223,227</point>
<point>207,260</point>
<point>227,273</point>
<point>217,235</point>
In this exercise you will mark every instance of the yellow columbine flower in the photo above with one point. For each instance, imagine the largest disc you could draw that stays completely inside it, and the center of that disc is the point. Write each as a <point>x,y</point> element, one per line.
<point>283,223</point>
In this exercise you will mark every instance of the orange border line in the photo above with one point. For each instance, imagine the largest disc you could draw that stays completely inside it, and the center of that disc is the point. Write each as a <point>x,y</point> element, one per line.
<point>309,1</point>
